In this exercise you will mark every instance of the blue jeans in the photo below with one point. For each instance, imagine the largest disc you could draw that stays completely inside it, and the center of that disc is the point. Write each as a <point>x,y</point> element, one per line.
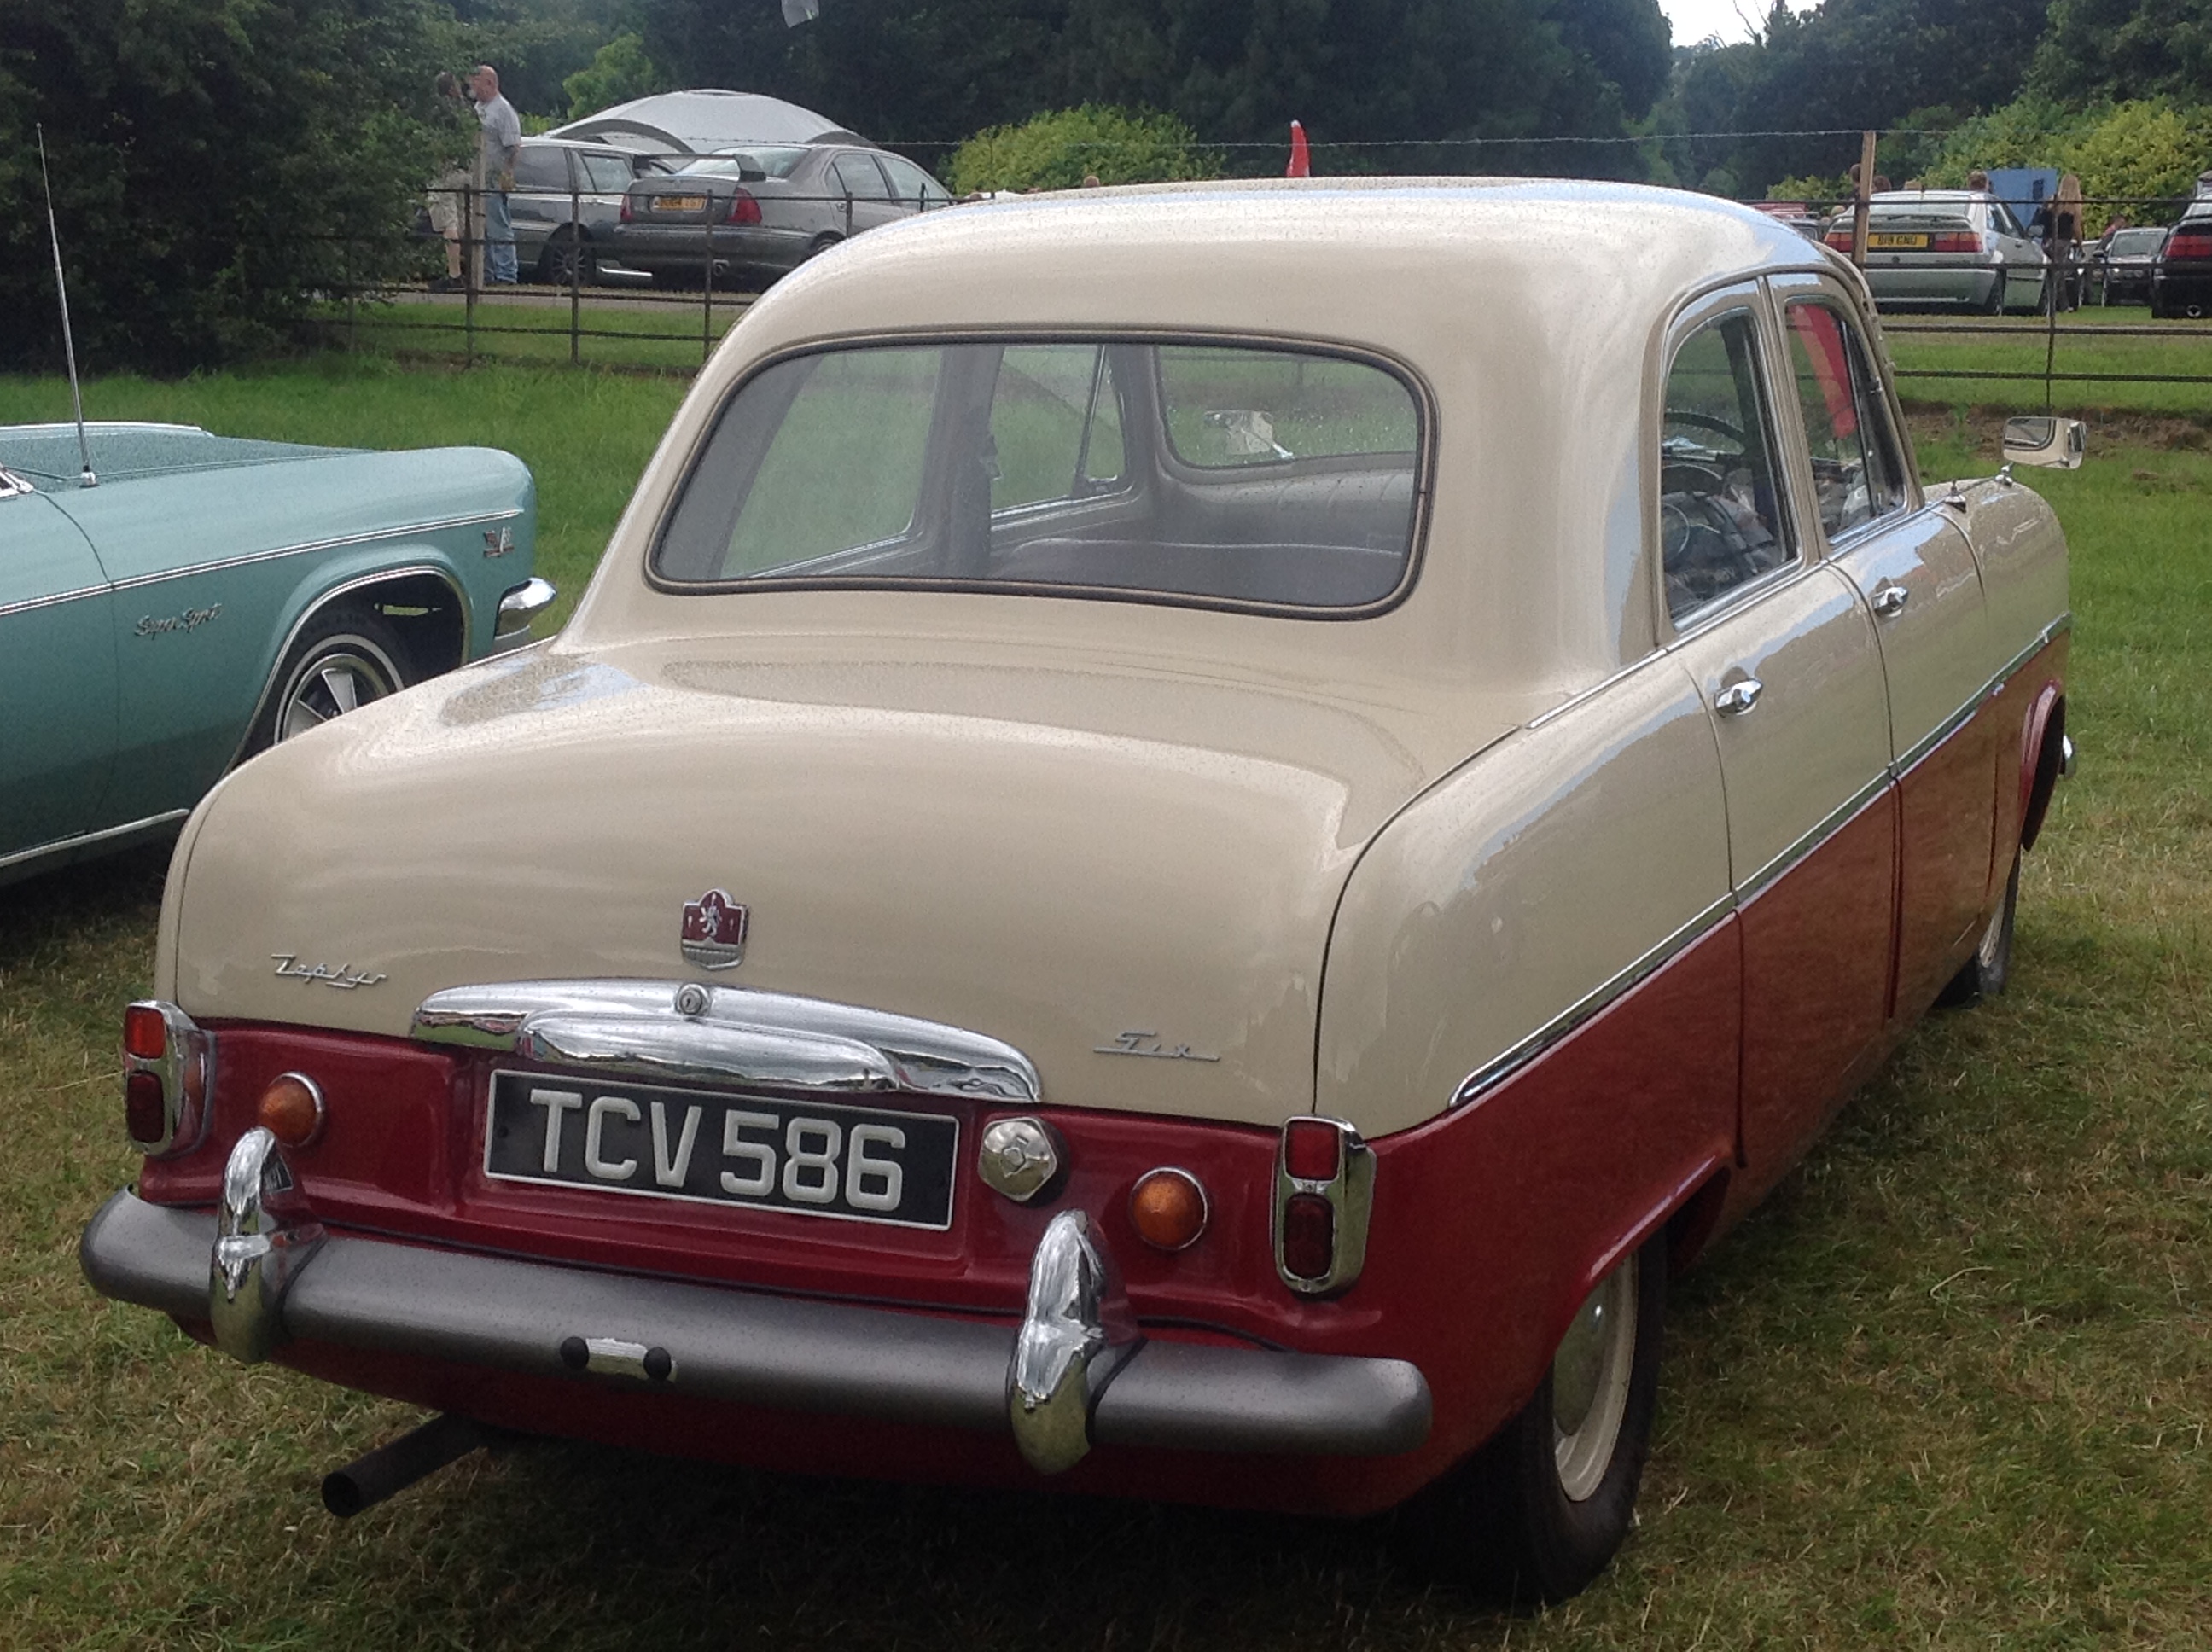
<point>499,237</point>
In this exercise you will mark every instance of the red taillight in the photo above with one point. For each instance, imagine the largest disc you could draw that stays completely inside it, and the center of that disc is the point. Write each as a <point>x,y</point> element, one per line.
<point>144,1112</point>
<point>744,208</point>
<point>1309,1236</point>
<point>145,1034</point>
<point>625,214</point>
<point>1310,1147</point>
<point>2198,244</point>
<point>1838,239</point>
<point>1960,241</point>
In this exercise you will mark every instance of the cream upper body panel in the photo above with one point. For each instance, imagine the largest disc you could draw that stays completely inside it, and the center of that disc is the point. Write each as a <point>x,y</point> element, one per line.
<point>1051,847</point>
<point>1493,909</point>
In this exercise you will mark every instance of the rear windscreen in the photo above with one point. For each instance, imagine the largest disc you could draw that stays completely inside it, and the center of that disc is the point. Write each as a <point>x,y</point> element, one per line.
<point>1197,472</point>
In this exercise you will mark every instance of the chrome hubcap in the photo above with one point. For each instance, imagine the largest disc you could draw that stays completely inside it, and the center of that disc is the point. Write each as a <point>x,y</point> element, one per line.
<point>344,679</point>
<point>1589,1383</point>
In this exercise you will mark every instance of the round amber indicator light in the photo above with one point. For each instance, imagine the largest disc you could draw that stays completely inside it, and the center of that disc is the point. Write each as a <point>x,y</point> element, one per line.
<point>291,1108</point>
<point>1168,1209</point>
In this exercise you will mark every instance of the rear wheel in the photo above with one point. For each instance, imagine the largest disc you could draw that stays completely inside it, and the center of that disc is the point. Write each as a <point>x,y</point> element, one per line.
<point>1541,1509</point>
<point>343,660</point>
<point>821,244</point>
<point>568,259</point>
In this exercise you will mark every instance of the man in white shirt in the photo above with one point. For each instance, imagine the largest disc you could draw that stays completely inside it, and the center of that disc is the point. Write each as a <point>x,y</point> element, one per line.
<point>498,145</point>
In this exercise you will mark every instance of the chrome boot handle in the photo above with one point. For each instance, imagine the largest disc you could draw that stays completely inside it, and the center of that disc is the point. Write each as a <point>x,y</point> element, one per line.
<point>1890,599</point>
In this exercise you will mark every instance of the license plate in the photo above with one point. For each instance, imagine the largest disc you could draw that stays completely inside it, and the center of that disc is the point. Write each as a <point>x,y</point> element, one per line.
<point>661,1141</point>
<point>679,203</point>
<point>1896,243</point>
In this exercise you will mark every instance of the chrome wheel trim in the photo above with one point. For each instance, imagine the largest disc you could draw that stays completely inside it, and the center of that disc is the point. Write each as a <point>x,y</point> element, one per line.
<point>332,682</point>
<point>1589,1383</point>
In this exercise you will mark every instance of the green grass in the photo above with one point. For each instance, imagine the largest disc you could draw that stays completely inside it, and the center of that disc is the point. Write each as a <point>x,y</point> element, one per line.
<point>585,436</point>
<point>1948,1387</point>
<point>2020,345</point>
<point>623,329</point>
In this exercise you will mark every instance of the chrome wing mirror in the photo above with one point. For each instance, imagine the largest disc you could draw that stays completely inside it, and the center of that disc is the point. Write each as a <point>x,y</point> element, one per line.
<point>2056,444</point>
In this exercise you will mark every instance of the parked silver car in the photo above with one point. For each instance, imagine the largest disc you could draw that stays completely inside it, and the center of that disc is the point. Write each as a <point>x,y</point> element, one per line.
<point>1950,247</point>
<point>759,213</point>
<point>567,201</point>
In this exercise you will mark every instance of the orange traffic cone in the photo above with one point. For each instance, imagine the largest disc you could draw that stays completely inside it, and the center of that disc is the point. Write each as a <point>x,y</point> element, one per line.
<point>1301,162</point>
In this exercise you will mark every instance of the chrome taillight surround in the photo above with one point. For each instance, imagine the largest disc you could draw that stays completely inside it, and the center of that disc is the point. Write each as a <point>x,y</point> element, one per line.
<point>1351,1196</point>
<point>185,1070</point>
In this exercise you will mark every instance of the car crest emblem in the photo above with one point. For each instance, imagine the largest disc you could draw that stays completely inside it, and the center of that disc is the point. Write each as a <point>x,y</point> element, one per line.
<point>498,541</point>
<point>713,933</point>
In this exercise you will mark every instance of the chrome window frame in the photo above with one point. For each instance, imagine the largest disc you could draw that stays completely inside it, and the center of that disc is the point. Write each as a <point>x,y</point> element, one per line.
<point>1784,288</point>
<point>1748,296</point>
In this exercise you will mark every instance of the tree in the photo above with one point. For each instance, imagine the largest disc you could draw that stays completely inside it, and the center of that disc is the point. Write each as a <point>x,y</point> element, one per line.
<point>215,163</point>
<point>619,71</point>
<point>1421,79</point>
<point>1849,65</point>
<point>2099,50</point>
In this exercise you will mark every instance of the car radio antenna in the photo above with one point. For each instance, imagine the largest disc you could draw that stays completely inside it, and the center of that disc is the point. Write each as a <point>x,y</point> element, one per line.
<point>69,344</point>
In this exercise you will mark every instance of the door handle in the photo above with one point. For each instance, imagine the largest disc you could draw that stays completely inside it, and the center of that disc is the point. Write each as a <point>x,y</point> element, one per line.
<point>1889,600</point>
<point>1739,696</point>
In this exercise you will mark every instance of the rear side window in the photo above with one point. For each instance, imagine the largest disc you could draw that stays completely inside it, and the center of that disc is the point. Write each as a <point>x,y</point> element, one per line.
<point>608,174</point>
<point>859,177</point>
<point>1720,515</point>
<point>1189,473</point>
<point>537,167</point>
<point>1857,475</point>
<point>911,183</point>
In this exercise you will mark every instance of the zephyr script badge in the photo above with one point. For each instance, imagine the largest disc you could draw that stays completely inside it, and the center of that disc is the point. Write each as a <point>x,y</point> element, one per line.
<point>714,934</point>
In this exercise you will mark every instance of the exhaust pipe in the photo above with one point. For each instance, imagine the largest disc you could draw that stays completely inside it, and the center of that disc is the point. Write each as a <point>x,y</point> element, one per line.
<point>395,1466</point>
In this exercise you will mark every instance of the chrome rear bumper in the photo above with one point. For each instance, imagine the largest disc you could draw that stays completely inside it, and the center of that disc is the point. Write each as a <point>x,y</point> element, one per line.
<point>546,1320</point>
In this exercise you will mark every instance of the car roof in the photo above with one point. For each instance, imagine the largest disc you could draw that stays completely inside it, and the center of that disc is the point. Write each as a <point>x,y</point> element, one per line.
<point>1507,300</point>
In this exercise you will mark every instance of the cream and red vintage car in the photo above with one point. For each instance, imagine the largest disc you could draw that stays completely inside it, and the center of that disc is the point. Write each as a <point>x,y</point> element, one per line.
<point>1188,841</point>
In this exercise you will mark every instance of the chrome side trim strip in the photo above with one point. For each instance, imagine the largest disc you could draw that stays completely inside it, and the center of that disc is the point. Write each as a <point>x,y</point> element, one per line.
<point>302,549</point>
<point>1812,840</point>
<point>85,840</point>
<point>686,1030</point>
<point>1519,1055</point>
<point>53,601</point>
<point>1987,691</point>
<point>1943,731</point>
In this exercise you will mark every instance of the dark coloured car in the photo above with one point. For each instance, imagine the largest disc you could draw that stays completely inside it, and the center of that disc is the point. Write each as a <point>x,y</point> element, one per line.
<point>2120,266</point>
<point>2181,276</point>
<point>759,213</point>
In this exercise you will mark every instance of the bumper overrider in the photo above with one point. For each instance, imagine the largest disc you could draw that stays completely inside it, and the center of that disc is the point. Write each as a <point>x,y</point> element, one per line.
<point>1075,1372</point>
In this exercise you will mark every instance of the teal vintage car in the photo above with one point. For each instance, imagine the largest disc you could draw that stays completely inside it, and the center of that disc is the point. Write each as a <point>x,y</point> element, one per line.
<point>207,597</point>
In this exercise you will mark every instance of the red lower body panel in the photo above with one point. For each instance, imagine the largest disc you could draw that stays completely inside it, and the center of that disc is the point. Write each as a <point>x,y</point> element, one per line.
<point>1491,1224</point>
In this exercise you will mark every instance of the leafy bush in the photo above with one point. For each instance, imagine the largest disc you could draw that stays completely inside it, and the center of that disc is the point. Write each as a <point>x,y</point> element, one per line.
<point>620,71</point>
<point>1810,189</point>
<point>215,164</point>
<point>1058,150</point>
<point>2149,148</point>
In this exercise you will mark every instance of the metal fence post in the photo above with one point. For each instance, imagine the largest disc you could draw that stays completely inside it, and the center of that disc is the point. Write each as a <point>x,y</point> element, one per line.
<point>1859,199</point>
<point>576,273</point>
<point>353,301</point>
<point>471,265</point>
<point>707,295</point>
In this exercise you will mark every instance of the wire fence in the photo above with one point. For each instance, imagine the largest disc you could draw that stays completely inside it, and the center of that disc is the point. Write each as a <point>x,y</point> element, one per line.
<point>652,274</point>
